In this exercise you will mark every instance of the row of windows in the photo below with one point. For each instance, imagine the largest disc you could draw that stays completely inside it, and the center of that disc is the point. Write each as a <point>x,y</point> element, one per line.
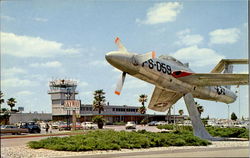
<point>114,109</point>
<point>123,109</point>
<point>86,108</point>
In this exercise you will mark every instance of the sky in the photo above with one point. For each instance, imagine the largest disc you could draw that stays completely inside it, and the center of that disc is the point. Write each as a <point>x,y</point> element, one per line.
<point>46,40</point>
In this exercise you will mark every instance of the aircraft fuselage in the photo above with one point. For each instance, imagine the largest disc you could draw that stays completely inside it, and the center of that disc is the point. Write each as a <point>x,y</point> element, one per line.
<point>160,72</point>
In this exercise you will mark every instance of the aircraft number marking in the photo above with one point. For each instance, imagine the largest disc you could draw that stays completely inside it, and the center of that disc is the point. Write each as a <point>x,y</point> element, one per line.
<point>161,67</point>
<point>220,90</point>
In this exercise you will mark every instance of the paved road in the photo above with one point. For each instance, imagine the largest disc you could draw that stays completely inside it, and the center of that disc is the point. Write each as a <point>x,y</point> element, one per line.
<point>18,141</point>
<point>211,152</point>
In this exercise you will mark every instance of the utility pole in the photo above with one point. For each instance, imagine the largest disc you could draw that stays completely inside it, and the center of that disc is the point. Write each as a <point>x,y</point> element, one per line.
<point>228,114</point>
<point>239,102</point>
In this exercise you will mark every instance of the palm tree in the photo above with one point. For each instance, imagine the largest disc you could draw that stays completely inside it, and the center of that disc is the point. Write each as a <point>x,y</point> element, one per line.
<point>99,100</point>
<point>1,98</point>
<point>181,112</point>
<point>143,99</point>
<point>98,104</point>
<point>5,115</point>
<point>11,102</point>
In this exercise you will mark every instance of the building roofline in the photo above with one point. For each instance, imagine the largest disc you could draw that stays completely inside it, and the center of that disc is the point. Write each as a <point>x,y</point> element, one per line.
<point>118,106</point>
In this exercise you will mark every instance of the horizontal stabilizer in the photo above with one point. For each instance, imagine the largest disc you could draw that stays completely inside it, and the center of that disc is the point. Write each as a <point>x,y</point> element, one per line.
<point>225,62</point>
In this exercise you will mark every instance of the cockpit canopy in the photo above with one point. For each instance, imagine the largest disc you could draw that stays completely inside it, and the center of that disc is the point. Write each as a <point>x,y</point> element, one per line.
<point>170,58</point>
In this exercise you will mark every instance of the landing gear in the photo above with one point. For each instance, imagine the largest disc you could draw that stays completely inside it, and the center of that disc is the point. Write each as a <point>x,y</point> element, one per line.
<point>198,127</point>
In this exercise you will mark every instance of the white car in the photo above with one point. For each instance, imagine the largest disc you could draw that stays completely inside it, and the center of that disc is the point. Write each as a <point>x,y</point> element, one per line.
<point>130,125</point>
<point>161,123</point>
<point>89,125</point>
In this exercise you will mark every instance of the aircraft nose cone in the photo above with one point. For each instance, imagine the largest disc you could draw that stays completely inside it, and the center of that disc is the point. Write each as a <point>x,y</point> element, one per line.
<point>114,57</point>
<point>120,60</point>
<point>109,56</point>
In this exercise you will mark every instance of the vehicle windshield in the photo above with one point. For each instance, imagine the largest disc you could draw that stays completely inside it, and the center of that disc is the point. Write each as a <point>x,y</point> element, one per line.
<point>131,122</point>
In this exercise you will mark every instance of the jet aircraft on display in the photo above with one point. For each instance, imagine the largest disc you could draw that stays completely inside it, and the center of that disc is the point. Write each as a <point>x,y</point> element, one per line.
<point>173,80</point>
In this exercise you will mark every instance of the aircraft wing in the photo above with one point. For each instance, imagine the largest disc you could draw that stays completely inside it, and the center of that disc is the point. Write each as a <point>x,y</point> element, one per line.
<point>213,79</point>
<point>162,100</point>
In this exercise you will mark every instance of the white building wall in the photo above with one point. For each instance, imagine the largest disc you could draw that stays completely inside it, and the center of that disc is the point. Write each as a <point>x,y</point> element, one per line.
<point>25,117</point>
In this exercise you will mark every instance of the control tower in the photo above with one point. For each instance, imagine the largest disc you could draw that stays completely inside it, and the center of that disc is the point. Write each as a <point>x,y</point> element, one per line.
<point>61,90</point>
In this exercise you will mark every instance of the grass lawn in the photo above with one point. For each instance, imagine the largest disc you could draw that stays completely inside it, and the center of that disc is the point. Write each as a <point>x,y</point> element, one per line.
<point>113,140</point>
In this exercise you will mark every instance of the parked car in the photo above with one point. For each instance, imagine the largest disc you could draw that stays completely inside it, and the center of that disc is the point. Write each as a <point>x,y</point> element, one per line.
<point>31,126</point>
<point>12,129</point>
<point>89,125</point>
<point>42,125</point>
<point>64,126</point>
<point>161,123</point>
<point>130,125</point>
<point>152,123</point>
<point>55,125</point>
<point>78,126</point>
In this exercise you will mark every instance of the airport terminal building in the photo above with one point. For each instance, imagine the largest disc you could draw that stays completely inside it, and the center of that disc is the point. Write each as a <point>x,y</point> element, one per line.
<point>63,92</point>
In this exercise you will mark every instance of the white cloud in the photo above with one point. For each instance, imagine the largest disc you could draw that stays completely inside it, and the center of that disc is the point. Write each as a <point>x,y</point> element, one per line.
<point>13,71</point>
<point>50,64</point>
<point>198,56</point>
<point>224,36</point>
<point>134,83</point>
<point>98,63</point>
<point>7,18</point>
<point>16,82</point>
<point>26,46</point>
<point>183,32</point>
<point>162,13</point>
<point>40,19</point>
<point>192,39</point>
<point>82,84</point>
<point>185,38</point>
<point>24,93</point>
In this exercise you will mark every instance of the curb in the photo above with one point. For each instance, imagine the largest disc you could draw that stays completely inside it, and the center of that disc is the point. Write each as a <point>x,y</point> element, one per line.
<point>43,135</point>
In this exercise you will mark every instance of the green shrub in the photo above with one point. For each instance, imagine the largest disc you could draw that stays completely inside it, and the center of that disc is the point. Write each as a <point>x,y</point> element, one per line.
<point>214,131</point>
<point>228,132</point>
<point>179,142</point>
<point>35,144</point>
<point>168,127</point>
<point>119,123</point>
<point>113,140</point>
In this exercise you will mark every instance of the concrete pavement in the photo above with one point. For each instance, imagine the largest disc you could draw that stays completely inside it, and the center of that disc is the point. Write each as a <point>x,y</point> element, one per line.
<point>205,152</point>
